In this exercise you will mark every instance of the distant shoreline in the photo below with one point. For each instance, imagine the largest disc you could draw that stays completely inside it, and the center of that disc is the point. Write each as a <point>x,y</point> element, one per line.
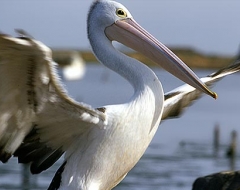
<point>192,58</point>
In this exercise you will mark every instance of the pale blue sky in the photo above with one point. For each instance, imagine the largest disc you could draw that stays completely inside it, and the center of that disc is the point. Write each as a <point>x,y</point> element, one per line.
<point>210,26</point>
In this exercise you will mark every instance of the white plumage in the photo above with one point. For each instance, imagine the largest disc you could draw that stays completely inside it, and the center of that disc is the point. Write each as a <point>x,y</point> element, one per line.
<point>39,121</point>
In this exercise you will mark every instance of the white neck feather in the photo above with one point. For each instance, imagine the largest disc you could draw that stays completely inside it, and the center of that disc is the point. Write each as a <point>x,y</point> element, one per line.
<point>141,77</point>
<point>137,74</point>
<point>143,110</point>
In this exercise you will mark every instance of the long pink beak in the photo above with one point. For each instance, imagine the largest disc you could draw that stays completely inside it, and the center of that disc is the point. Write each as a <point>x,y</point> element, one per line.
<point>131,34</point>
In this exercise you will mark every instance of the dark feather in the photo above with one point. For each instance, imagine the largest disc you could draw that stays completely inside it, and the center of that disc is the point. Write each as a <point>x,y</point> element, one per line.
<point>45,161</point>
<point>56,181</point>
<point>37,153</point>
<point>177,100</point>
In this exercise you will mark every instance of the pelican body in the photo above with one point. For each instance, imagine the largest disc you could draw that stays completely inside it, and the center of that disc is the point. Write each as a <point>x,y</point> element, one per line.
<point>101,145</point>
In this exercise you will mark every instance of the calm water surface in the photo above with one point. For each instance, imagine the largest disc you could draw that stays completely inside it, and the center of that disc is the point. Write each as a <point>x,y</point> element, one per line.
<point>181,150</point>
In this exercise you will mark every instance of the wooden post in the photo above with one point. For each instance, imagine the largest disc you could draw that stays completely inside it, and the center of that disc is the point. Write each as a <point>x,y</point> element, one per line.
<point>216,136</point>
<point>231,151</point>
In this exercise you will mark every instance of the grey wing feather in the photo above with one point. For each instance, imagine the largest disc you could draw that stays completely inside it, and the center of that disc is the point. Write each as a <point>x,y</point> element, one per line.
<point>32,98</point>
<point>16,98</point>
<point>180,98</point>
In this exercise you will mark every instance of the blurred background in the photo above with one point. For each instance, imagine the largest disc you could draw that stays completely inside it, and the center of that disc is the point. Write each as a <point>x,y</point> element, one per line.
<point>205,34</point>
<point>208,26</point>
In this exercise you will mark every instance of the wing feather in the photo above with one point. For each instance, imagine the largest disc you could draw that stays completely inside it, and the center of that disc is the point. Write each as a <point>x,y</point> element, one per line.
<point>33,101</point>
<point>16,103</point>
<point>38,120</point>
<point>180,98</point>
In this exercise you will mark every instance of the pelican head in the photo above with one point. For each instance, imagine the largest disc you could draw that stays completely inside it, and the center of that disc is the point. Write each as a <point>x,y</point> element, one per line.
<point>116,23</point>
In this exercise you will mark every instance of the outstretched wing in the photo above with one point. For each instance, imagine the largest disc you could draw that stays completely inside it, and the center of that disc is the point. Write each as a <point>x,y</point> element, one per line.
<point>178,99</point>
<point>34,105</point>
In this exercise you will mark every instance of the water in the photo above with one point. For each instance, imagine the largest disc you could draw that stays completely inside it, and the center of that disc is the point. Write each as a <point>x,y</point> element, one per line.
<point>181,150</point>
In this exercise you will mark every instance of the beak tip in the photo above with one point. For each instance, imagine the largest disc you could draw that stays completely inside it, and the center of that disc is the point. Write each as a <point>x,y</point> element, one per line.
<point>214,95</point>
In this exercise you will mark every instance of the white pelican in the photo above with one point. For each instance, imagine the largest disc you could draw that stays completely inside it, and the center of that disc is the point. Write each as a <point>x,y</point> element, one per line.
<point>72,64</point>
<point>39,121</point>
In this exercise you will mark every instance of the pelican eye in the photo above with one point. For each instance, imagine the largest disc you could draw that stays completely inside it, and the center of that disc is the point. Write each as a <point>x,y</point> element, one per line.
<point>121,13</point>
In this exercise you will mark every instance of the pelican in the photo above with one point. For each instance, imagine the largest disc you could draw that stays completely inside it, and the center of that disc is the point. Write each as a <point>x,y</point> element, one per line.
<point>73,65</point>
<point>39,121</point>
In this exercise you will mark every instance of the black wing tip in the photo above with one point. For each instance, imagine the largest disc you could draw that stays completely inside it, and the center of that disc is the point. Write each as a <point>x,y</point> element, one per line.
<point>37,153</point>
<point>41,159</point>
<point>45,162</point>
<point>233,67</point>
<point>23,34</point>
<point>57,179</point>
<point>4,157</point>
